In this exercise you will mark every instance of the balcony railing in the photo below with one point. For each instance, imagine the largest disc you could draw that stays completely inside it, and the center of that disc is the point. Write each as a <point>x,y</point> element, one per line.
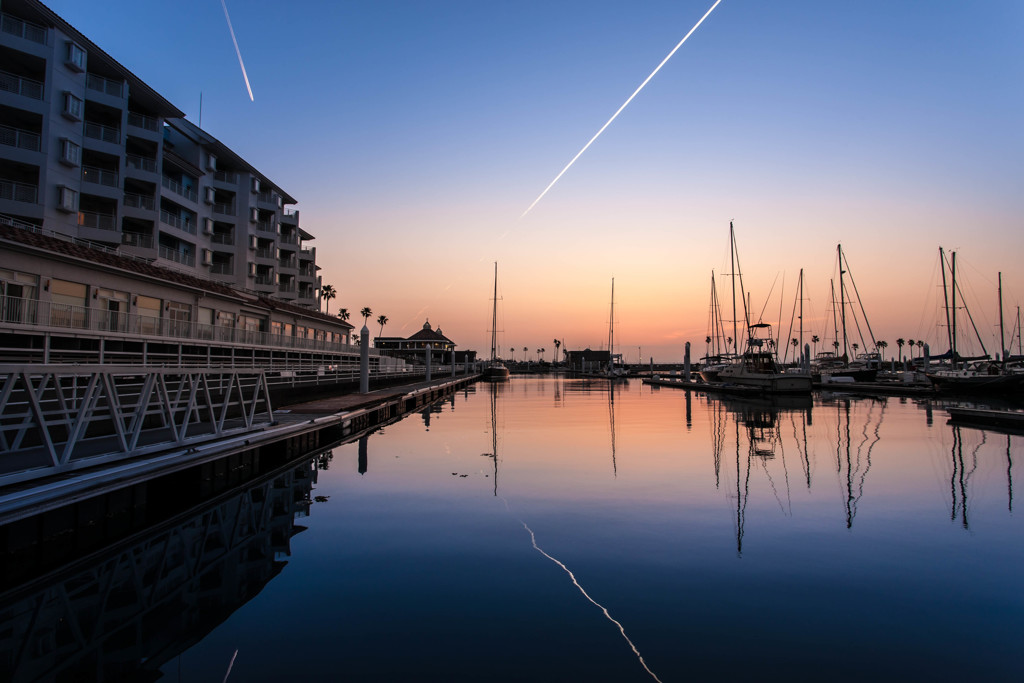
<point>266,252</point>
<point>104,85</point>
<point>181,257</point>
<point>177,188</point>
<point>186,224</point>
<point>139,201</point>
<point>21,86</point>
<point>307,272</point>
<point>224,209</point>
<point>286,288</point>
<point>12,190</point>
<point>222,269</point>
<point>100,176</point>
<point>264,280</point>
<point>98,131</point>
<point>266,226</point>
<point>222,238</point>
<point>137,239</point>
<point>142,163</point>
<point>22,139</point>
<point>289,239</point>
<point>287,263</point>
<point>23,29</point>
<point>143,121</point>
<point>100,221</point>
<point>226,177</point>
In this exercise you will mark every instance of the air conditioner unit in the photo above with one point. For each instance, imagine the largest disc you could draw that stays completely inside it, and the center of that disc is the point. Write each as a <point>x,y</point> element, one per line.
<point>254,215</point>
<point>211,163</point>
<point>252,270</point>
<point>255,184</point>
<point>207,257</point>
<point>207,226</point>
<point>209,195</point>
<point>67,199</point>
<point>252,241</point>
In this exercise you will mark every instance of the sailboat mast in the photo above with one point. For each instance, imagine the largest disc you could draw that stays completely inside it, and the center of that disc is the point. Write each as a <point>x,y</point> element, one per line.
<point>611,330</point>
<point>1002,332</point>
<point>732,269</point>
<point>842,296</point>
<point>801,313</point>
<point>952,277</point>
<point>494,316</point>
<point>835,325</point>
<point>945,298</point>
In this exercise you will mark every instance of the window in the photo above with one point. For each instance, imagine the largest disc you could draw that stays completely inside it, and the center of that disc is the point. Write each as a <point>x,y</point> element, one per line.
<point>148,310</point>
<point>67,304</point>
<point>74,57</point>
<point>72,107</point>
<point>70,152</point>
<point>67,199</point>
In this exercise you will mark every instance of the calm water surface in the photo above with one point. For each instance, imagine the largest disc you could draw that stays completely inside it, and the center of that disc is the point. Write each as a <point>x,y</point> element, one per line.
<point>550,529</point>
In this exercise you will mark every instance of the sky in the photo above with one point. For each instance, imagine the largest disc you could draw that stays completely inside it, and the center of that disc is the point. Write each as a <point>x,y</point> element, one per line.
<point>414,134</point>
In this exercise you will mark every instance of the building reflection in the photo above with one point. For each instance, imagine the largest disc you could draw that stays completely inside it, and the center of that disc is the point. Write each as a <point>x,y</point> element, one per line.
<point>124,612</point>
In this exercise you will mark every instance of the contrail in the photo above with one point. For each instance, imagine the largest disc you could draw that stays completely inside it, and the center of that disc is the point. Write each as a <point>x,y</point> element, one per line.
<point>572,576</point>
<point>239,52</point>
<point>635,93</point>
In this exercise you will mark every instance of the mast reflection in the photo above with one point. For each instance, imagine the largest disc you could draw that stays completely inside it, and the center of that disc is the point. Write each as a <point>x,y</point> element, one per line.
<point>852,468</point>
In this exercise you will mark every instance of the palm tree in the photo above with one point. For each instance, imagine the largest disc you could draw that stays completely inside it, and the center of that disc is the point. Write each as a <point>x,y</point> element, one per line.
<point>327,292</point>
<point>366,313</point>
<point>382,320</point>
<point>539,352</point>
<point>526,350</point>
<point>883,345</point>
<point>910,342</point>
<point>344,314</point>
<point>855,346</point>
<point>512,354</point>
<point>899,345</point>
<point>920,346</point>
<point>814,340</point>
<point>557,344</point>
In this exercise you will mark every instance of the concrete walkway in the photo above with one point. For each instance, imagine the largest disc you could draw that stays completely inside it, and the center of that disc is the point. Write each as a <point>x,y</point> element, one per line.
<point>330,405</point>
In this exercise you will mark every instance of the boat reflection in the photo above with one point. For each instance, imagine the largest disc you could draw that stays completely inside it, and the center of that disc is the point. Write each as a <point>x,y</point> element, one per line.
<point>124,612</point>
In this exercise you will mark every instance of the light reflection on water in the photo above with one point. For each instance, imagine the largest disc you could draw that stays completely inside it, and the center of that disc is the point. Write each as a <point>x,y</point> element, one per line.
<point>551,529</point>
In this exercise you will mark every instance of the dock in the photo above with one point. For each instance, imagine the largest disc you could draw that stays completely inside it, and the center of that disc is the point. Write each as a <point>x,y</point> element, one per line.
<point>1007,420</point>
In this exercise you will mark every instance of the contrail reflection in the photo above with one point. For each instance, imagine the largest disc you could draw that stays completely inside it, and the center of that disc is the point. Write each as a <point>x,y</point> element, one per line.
<point>533,540</point>
<point>624,105</point>
<point>239,52</point>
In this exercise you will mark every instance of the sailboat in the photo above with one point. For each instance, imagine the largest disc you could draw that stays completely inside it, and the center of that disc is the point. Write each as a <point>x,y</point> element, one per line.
<point>495,370</point>
<point>611,371</point>
<point>757,368</point>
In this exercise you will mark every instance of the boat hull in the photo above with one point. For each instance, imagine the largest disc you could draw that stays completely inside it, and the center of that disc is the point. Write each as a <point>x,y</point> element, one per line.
<point>769,382</point>
<point>496,373</point>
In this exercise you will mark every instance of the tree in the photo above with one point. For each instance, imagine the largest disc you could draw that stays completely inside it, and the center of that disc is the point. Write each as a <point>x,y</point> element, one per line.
<point>327,292</point>
<point>814,340</point>
<point>855,346</point>
<point>382,320</point>
<point>539,352</point>
<point>883,345</point>
<point>526,350</point>
<point>355,339</point>
<point>899,345</point>
<point>366,313</point>
<point>920,345</point>
<point>910,342</point>
<point>557,344</point>
<point>344,314</point>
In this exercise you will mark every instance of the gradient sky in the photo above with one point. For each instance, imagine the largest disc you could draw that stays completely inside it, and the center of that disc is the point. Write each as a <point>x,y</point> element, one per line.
<point>415,134</point>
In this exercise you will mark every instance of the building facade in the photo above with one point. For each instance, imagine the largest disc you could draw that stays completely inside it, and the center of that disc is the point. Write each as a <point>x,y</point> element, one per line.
<point>414,349</point>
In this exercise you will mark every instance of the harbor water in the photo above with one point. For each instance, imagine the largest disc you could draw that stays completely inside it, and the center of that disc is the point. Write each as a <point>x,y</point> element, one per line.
<point>551,528</point>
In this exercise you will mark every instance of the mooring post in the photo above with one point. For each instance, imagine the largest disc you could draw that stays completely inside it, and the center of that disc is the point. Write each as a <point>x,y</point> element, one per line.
<point>807,358</point>
<point>686,363</point>
<point>428,363</point>
<point>364,360</point>
<point>453,362</point>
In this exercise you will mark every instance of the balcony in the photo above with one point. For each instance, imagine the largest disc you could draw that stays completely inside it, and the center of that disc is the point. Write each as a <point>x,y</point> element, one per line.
<point>222,269</point>
<point>179,189</point>
<point>287,288</point>
<point>92,174</point>
<point>21,86</point>
<point>104,85</point>
<point>264,280</point>
<point>142,121</point>
<point>23,29</point>
<point>141,163</point>
<point>139,201</point>
<point>22,139</point>
<point>266,226</point>
<point>98,131</point>
<point>185,224</point>
<point>287,263</point>
<point>223,238</point>
<point>266,253</point>
<point>289,239</point>
<point>137,239</point>
<point>307,272</point>
<point>224,209</point>
<point>183,258</point>
<point>100,221</point>
<point>19,192</point>
<point>229,177</point>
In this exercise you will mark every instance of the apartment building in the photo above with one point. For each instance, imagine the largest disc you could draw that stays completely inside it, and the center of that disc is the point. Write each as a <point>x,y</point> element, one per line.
<point>89,151</point>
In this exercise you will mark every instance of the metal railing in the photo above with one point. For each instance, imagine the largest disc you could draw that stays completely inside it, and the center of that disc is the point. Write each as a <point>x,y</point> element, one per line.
<point>104,85</point>
<point>137,239</point>
<point>171,254</point>
<point>56,419</point>
<point>101,221</point>
<point>184,224</point>
<point>177,188</point>
<point>266,252</point>
<point>22,139</point>
<point>141,163</point>
<point>222,238</point>
<point>287,263</point>
<point>222,269</point>
<point>287,288</point>
<point>12,190</point>
<point>143,121</point>
<point>289,239</point>
<point>266,226</point>
<point>264,280</point>
<point>225,209</point>
<point>23,29</point>
<point>18,85</point>
<point>100,176</point>
<point>226,177</point>
<point>98,131</point>
<point>139,201</point>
